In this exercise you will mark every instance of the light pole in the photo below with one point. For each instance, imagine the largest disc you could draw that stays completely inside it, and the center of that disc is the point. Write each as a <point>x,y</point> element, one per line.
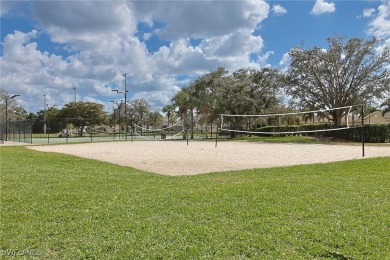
<point>44,114</point>
<point>125,94</point>
<point>6,115</point>
<point>74,88</point>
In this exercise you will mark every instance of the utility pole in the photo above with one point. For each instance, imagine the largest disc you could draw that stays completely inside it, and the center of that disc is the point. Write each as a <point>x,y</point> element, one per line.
<point>44,114</point>
<point>125,94</point>
<point>74,88</point>
<point>124,75</point>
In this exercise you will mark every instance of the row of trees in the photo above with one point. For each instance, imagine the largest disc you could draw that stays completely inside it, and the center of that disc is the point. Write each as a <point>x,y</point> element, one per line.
<point>82,114</point>
<point>348,73</point>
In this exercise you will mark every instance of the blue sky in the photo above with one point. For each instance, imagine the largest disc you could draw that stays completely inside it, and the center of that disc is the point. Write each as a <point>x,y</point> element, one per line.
<point>50,47</point>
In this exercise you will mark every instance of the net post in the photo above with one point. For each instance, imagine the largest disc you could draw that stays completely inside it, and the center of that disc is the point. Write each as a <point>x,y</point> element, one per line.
<point>132,133</point>
<point>216,135</point>
<point>187,134</point>
<point>362,132</point>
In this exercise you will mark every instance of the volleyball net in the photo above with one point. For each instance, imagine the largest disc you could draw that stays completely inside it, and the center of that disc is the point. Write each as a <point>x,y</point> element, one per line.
<point>174,131</point>
<point>304,122</point>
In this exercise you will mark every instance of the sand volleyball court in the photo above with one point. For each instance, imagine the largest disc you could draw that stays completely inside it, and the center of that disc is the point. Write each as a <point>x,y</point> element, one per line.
<point>176,158</point>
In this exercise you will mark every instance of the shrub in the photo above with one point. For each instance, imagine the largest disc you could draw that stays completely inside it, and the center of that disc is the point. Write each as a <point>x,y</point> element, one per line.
<point>373,133</point>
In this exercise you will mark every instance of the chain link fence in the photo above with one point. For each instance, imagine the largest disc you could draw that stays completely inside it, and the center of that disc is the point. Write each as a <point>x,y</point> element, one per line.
<point>16,130</point>
<point>58,130</point>
<point>71,130</point>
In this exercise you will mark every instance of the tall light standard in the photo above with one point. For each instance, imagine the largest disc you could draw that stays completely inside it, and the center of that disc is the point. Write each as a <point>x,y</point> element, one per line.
<point>74,88</point>
<point>125,94</point>
<point>6,115</point>
<point>44,114</point>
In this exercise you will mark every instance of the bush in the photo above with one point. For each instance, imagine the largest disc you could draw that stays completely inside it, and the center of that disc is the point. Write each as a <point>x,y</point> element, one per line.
<point>374,133</point>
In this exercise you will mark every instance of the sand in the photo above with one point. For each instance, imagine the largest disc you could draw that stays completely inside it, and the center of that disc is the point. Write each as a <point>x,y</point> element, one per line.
<point>176,158</point>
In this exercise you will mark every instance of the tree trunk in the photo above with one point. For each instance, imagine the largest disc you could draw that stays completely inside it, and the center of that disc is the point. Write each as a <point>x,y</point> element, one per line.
<point>336,118</point>
<point>81,131</point>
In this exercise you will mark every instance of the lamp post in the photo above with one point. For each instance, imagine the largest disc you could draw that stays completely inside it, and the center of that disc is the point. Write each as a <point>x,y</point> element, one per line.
<point>124,75</point>
<point>74,88</point>
<point>6,115</point>
<point>125,94</point>
<point>44,114</point>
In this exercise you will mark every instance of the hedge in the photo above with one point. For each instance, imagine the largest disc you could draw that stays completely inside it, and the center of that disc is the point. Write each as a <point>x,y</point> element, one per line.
<point>373,133</point>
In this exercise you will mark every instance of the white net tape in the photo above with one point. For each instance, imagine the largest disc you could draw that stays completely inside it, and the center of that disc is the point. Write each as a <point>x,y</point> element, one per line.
<point>155,131</point>
<point>154,139</point>
<point>144,129</point>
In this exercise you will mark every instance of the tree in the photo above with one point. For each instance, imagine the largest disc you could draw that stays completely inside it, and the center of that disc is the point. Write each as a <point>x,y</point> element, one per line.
<point>54,122</point>
<point>155,119</point>
<point>182,101</point>
<point>385,106</point>
<point>14,110</point>
<point>139,110</point>
<point>169,110</point>
<point>345,74</point>
<point>248,91</point>
<point>205,91</point>
<point>82,114</point>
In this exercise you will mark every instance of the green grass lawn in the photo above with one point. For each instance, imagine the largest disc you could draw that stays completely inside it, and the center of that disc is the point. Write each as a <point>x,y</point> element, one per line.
<point>60,206</point>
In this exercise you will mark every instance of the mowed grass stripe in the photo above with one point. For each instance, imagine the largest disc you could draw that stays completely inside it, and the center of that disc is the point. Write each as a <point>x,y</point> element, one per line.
<point>66,207</point>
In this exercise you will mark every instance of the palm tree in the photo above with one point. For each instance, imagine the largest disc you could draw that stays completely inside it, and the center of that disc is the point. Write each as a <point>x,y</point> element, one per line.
<point>181,100</point>
<point>169,110</point>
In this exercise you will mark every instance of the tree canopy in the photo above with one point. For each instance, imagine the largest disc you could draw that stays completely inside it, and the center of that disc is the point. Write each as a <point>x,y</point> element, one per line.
<point>385,106</point>
<point>347,73</point>
<point>82,114</point>
<point>15,110</point>
<point>245,91</point>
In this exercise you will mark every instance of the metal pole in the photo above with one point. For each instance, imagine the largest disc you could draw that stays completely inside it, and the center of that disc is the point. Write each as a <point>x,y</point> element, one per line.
<point>187,134</point>
<point>113,108</point>
<point>132,133</point>
<point>124,75</point>
<point>31,134</point>
<point>119,120</point>
<point>363,130</point>
<point>6,119</point>
<point>44,114</point>
<point>216,136</point>
<point>74,88</point>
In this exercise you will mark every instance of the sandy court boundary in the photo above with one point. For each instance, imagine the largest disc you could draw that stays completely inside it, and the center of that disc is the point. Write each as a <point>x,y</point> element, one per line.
<point>176,158</point>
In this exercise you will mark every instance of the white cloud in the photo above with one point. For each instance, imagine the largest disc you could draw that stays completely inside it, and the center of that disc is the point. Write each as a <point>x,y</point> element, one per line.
<point>85,24</point>
<point>33,73</point>
<point>380,24</point>
<point>285,62</point>
<point>146,36</point>
<point>322,7</point>
<point>263,59</point>
<point>201,19</point>
<point>368,12</point>
<point>158,98</point>
<point>103,38</point>
<point>278,9</point>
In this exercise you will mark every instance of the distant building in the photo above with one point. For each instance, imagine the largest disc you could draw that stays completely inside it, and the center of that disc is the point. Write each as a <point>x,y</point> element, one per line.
<point>377,118</point>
